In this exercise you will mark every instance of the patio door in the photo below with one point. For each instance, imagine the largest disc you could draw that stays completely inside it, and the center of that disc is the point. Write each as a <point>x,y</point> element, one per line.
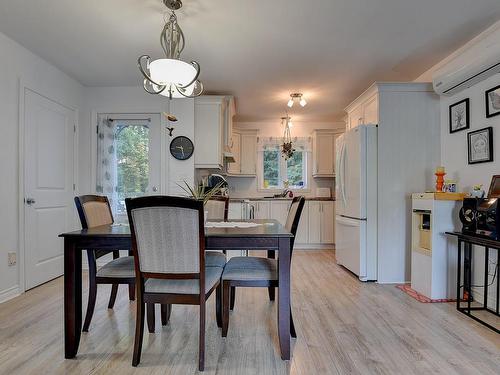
<point>129,158</point>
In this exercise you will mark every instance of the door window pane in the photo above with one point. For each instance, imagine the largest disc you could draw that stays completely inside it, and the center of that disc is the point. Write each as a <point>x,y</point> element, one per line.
<point>122,162</point>
<point>132,157</point>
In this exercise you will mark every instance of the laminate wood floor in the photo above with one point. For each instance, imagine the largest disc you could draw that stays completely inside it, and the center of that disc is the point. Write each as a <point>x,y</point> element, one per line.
<point>343,326</point>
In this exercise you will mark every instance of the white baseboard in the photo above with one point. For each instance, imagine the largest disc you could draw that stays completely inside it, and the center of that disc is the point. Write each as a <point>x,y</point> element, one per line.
<point>300,246</point>
<point>10,293</point>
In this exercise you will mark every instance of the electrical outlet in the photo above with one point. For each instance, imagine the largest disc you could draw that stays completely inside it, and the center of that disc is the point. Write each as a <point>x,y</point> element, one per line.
<point>12,259</point>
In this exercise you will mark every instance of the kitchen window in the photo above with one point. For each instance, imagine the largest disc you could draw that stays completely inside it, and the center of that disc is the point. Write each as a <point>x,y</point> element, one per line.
<point>276,173</point>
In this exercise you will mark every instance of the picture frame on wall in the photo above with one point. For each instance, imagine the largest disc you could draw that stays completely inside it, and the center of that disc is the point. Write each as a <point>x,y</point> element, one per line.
<point>492,97</point>
<point>480,145</point>
<point>459,116</point>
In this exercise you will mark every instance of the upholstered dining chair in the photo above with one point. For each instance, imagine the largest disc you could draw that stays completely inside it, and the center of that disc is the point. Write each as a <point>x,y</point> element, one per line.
<point>168,243</point>
<point>94,210</point>
<point>217,208</point>
<point>257,271</point>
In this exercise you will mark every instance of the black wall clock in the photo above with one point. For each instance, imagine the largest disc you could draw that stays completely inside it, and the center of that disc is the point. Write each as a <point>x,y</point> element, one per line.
<point>181,148</point>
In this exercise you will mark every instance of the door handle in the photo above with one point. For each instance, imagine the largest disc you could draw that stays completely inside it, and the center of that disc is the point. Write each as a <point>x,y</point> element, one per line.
<point>155,189</point>
<point>30,201</point>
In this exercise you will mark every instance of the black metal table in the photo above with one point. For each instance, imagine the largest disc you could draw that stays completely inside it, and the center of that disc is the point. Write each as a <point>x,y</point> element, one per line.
<point>468,241</point>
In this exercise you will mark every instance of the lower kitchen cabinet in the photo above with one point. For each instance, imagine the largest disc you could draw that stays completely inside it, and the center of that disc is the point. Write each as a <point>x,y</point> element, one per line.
<point>279,210</point>
<point>316,225</point>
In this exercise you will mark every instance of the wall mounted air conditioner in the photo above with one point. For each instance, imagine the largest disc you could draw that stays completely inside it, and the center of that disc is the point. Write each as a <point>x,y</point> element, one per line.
<point>478,60</point>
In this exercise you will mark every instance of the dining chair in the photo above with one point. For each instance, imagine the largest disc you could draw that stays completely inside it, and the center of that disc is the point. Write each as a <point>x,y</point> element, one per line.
<point>257,271</point>
<point>168,243</point>
<point>94,210</point>
<point>217,208</point>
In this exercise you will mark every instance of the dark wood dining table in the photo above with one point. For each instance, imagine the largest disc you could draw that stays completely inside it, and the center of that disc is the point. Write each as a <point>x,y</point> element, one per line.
<point>268,235</point>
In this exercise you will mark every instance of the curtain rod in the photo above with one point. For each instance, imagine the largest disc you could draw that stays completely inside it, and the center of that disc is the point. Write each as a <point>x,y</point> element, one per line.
<point>130,119</point>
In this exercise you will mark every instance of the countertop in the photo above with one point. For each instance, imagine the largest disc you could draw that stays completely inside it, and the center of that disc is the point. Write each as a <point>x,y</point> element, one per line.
<point>280,199</point>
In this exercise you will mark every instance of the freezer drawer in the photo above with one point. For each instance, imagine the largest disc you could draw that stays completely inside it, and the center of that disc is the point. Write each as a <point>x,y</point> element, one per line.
<point>350,245</point>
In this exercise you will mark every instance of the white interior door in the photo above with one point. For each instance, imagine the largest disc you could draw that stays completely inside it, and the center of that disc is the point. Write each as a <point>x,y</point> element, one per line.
<point>48,185</point>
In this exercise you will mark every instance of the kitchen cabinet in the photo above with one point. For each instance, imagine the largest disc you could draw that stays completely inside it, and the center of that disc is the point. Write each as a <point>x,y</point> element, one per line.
<point>209,118</point>
<point>262,209</point>
<point>324,153</point>
<point>234,168</point>
<point>244,150</point>
<point>364,110</point>
<point>279,210</point>
<point>327,218</point>
<point>314,226</point>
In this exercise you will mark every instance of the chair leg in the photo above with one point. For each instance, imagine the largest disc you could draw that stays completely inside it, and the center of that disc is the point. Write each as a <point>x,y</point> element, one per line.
<point>272,293</point>
<point>131,292</point>
<point>139,332</point>
<point>233,297</point>
<point>166,310</point>
<point>91,304</point>
<point>112,297</point>
<point>201,353</point>
<point>293,333</point>
<point>225,307</point>
<point>218,304</point>
<point>150,312</point>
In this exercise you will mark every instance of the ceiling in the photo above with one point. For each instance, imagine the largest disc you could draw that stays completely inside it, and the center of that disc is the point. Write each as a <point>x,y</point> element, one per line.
<point>257,50</point>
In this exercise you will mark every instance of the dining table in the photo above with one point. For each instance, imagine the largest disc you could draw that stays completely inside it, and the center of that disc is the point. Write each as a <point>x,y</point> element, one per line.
<point>265,235</point>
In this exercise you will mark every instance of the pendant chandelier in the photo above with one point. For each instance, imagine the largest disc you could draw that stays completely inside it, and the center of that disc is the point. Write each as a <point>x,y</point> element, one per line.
<point>170,76</point>
<point>287,149</point>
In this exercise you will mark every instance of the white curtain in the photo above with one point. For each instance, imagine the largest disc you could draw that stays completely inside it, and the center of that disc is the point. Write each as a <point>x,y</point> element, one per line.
<point>106,181</point>
<point>299,143</point>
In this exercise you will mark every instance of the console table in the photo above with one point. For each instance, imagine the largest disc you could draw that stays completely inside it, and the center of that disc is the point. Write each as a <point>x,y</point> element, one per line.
<point>464,305</point>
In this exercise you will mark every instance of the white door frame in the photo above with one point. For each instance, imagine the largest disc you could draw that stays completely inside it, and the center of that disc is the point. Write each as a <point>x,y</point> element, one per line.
<point>163,145</point>
<point>23,86</point>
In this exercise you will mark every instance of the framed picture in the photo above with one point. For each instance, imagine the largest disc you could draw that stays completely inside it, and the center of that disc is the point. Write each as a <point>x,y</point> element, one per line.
<point>459,116</point>
<point>480,145</point>
<point>492,97</point>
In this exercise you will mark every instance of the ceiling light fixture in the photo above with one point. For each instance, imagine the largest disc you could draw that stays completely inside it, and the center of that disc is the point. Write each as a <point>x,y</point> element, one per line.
<point>287,149</point>
<point>171,77</point>
<point>297,96</point>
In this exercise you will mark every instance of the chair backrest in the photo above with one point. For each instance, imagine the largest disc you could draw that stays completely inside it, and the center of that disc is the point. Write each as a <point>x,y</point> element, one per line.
<point>217,208</point>
<point>293,218</point>
<point>93,210</point>
<point>168,238</point>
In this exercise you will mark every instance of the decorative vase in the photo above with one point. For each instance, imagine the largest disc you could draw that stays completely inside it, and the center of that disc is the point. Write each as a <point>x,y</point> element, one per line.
<point>440,173</point>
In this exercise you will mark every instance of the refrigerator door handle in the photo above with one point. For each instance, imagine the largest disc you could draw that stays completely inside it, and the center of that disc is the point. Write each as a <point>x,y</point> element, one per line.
<point>342,172</point>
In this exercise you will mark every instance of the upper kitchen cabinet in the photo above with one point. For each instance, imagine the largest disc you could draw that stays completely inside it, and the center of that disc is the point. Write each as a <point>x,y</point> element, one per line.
<point>244,151</point>
<point>364,110</point>
<point>209,122</point>
<point>324,153</point>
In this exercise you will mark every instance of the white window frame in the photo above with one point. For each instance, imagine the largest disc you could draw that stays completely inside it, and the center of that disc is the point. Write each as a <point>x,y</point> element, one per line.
<point>283,171</point>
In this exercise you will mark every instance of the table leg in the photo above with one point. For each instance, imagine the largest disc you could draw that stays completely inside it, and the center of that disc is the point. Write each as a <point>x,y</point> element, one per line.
<point>459,269</point>
<point>468,274</point>
<point>72,298</point>
<point>486,274</point>
<point>284,297</point>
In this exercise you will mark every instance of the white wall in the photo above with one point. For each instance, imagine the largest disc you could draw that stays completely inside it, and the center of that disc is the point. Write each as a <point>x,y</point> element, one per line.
<point>17,63</point>
<point>454,146</point>
<point>128,100</point>
<point>247,187</point>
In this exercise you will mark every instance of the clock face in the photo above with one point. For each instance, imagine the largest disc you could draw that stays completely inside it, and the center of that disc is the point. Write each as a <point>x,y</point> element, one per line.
<point>181,148</point>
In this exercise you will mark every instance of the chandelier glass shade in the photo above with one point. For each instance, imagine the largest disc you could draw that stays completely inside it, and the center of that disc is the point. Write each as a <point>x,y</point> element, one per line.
<point>170,76</point>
